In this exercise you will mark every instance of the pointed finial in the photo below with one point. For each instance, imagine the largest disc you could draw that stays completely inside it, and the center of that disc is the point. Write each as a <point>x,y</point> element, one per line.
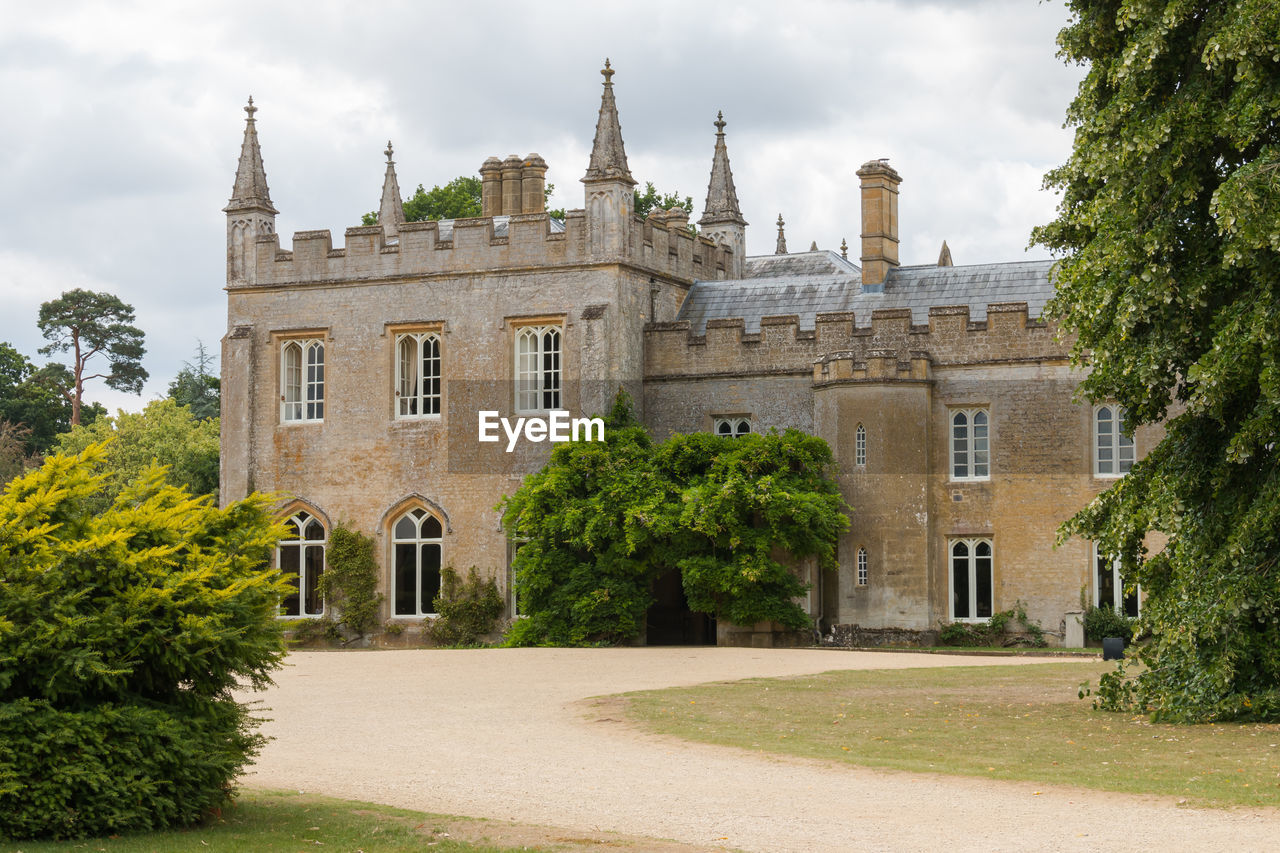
<point>251,109</point>
<point>844,249</point>
<point>389,152</point>
<point>782,237</point>
<point>608,72</point>
<point>719,123</point>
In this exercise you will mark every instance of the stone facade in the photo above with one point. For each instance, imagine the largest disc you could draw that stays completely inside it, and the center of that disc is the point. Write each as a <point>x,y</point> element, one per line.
<point>876,359</point>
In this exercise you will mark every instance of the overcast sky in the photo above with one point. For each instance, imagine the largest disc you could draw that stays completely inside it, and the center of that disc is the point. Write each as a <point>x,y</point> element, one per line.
<point>123,124</point>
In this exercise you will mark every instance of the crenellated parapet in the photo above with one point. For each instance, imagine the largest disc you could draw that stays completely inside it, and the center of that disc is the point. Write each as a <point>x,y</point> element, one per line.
<point>839,348</point>
<point>661,246</point>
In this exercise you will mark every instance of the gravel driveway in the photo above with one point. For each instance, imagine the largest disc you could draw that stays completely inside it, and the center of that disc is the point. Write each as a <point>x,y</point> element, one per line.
<point>503,734</point>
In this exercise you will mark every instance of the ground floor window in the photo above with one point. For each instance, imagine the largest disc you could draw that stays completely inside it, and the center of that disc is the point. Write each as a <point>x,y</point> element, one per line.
<point>971,579</point>
<point>513,598</point>
<point>300,558</point>
<point>1108,587</point>
<point>415,542</point>
<point>862,567</point>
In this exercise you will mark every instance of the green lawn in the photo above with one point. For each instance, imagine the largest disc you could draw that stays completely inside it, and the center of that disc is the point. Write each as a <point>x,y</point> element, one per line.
<point>1007,722</point>
<point>281,821</point>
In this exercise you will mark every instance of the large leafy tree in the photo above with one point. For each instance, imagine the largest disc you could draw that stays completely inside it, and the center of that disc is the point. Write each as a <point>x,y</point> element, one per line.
<point>29,399</point>
<point>197,387</point>
<point>603,520</point>
<point>651,199</point>
<point>88,324</point>
<point>163,433</point>
<point>1169,228</point>
<point>124,631</point>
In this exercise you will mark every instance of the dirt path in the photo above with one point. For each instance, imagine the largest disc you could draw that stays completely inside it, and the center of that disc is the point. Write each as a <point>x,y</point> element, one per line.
<point>501,734</point>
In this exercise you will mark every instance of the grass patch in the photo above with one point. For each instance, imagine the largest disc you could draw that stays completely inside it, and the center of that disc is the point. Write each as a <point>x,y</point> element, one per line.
<point>276,820</point>
<point>1008,722</point>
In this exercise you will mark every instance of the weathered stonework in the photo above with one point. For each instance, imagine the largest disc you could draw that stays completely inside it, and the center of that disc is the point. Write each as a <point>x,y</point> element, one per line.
<point>884,354</point>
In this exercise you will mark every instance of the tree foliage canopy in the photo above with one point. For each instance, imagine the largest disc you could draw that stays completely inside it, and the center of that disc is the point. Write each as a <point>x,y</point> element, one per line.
<point>163,433</point>
<point>30,399</point>
<point>604,519</point>
<point>1169,224</point>
<point>122,635</point>
<point>88,324</point>
<point>651,199</point>
<point>197,387</point>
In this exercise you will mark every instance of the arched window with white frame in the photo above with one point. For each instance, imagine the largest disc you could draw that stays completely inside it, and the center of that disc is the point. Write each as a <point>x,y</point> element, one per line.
<point>300,558</point>
<point>860,446</point>
<point>417,375</point>
<point>862,567</point>
<point>538,368</point>
<point>970,444</point>
<point>972,580</point>
<point>302,381</point>
<point>416,540</point>
<point>732,427</point>
<point>1113,450</point>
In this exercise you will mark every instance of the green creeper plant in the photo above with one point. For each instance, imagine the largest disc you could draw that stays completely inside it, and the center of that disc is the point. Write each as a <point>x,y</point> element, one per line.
<point>350,579</point>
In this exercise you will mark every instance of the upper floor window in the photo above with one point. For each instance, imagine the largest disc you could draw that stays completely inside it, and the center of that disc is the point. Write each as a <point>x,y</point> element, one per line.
<point>538,368</point>
<point>1112,447</point>
<point>862,567</point>
<point>860,446</point>
<point>1108,586</point>
<point>417,375</point>
<point>970,444</point>
<point>732,427</point>
<point>971,580</point>
<point>302,380</point>
<point>300,558</point>
<point>416,539</point>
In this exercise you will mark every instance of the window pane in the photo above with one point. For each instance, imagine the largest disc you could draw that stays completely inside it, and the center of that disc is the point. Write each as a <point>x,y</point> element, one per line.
<point>430,577</point>
<point>960,585</point>
<point>406,571</point>
<point>406,529</point>
<point>314,531</point>
<point>744,427</point>
<point>313,603</point>
<point>982,570</point>
<point>289,560</point>
<point>1106,582</point>
<point>431,528</point>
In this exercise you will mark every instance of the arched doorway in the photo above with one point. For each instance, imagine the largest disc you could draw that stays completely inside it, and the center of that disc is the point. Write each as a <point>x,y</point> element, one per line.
<point>670,622</point>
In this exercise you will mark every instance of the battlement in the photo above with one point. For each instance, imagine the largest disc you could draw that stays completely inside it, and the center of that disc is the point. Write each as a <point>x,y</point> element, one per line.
<point>837,347</point>
<point>522,241</point>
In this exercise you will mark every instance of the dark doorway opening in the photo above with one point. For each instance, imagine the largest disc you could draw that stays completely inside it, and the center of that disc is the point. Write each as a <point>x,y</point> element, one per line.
<point>670,622</point>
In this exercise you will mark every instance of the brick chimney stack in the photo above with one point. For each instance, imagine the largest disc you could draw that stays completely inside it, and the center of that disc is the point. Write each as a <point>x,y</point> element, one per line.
<point>491,187</point>
<point>879,220</point>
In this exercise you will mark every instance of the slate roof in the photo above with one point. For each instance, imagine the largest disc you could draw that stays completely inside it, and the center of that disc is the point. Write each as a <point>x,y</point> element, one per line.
<point>812,283</point>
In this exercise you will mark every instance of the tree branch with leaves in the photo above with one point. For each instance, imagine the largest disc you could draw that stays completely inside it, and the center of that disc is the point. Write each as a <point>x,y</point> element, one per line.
<point>87,325</point>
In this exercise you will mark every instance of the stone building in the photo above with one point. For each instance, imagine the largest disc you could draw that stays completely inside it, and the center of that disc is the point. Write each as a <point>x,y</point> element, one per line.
<point>353,376</point>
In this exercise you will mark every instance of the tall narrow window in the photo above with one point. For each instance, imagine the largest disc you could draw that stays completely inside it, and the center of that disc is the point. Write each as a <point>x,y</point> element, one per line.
<point>860,446</point>
<point>1108,586</point>
<point>971,580</point>
<point>538,368</point>
<point>417,375</point>
<point>302,381</point>
<point>862,567</point>
<point>970,444</point>
<point>1113,449</point>
<point>415,541</point>
<point>300,559</point>
<point>732,427</point>
<point>513,603</point>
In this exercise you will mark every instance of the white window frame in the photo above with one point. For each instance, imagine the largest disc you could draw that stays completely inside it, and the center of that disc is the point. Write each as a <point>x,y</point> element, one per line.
<point>420,518</point>
<point>731,427</point>
<point>1112,442</point>
<point>423,401</point>
<point>302,384</point>
<point>966,446</point>
<point>298,523</point>
<point>539,366</point>
<point>1118,598</point>
<point>860,446</point>
<point>971,558</point>
<point>862,566</point>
